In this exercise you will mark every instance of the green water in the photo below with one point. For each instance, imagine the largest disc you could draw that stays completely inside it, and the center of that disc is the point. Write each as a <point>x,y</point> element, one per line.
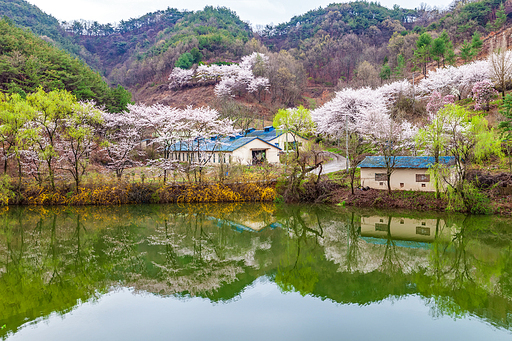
<point>252,271</point>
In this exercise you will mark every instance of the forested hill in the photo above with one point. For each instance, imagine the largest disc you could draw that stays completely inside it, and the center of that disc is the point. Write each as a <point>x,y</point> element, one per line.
<point>355,44</point>
<point>28,63</point>
<point>26,15</point>
<point>340,19</point>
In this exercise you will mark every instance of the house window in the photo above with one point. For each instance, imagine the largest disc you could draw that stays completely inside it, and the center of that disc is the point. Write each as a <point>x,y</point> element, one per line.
<point>402,185</point>
<point>401,221</point>
<point>381,184</point>
<point>423,185</point>
<point>381,177</point>
<point>422,177</point>
<point>381,227</point>
<point>423,231</point>
<point>423,223</point>
<point>213,157</point>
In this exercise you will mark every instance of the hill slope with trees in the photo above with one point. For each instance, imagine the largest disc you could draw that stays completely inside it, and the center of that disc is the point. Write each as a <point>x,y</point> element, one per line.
<point>28,63</point>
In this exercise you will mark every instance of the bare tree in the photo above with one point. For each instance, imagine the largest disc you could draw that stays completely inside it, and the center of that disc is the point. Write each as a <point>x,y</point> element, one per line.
<point>500,63</point>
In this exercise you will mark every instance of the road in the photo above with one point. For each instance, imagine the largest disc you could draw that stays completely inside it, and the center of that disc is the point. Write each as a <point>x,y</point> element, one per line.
<point>337,163</point>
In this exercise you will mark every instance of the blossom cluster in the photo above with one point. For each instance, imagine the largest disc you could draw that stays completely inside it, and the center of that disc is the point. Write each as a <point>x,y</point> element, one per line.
<point>483,92</point>
<point>228,78</point>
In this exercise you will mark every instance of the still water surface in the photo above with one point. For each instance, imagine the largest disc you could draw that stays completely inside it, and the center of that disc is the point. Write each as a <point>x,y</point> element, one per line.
<point>252,272</point>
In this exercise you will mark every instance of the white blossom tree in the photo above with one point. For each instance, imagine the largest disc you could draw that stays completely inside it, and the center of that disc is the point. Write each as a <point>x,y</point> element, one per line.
<point>229,79</point>
<point>455,80</point>
<point>123,134</point>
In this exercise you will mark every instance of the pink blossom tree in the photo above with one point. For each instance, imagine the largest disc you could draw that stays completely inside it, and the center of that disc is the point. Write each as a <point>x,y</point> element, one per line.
<point>437,102</point>
<point>483,93</point>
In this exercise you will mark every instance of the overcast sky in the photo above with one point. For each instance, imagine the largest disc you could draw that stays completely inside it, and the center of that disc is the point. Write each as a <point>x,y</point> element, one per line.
<point>257,12</point>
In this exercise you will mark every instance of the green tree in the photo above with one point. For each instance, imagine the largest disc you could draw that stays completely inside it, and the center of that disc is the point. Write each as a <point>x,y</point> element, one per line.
<point>196,55</point>
<point>469,140</point>
<point>400,66</point>
<point>423,52</point>
<point>506,126</point>
<point>185,61</point>
<point>476,42</point>
<point>449,54</point>
<point>433,139</point>
<point>385,72</point>
<point>501,18</point>
<point>51,111</point>
<point>438,50</point>
<point>466,51</point>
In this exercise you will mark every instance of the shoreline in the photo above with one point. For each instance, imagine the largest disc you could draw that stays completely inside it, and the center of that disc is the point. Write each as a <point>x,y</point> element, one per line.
<point>327,192</point>
<point>411,200</point>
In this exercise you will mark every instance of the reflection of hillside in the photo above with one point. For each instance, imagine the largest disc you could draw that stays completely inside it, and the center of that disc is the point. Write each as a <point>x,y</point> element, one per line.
<point>65,256</point>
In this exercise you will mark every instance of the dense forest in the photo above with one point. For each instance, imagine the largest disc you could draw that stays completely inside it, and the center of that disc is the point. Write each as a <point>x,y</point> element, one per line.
<point>28,63</point>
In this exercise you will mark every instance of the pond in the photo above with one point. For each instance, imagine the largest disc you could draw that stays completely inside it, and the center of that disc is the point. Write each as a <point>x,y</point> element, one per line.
<point>252,272</point>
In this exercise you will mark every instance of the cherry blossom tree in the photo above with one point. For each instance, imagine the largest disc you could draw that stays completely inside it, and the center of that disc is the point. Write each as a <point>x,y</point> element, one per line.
<point>352,115</point>
<point>455,80</point>
<point>500,64</point>
<point>229,79</point>
<point>187,130</point>
<point>350,111</point>
<point>180,77</point>
<point>437,102</point>
<point>123,134</point>
<point>483,92</point>
<point>392,139</point>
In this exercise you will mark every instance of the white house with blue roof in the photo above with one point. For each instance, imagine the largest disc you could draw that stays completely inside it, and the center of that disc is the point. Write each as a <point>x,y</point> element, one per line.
<point>285,141</point>
<point>255,147</point>
<point>410,172</point>
<point>232,149</point>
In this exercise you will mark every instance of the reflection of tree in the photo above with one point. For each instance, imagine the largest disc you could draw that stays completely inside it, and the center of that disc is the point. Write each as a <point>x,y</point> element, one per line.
<point>295,270</point>
<point>462,275</point>
<point>391,261</point>
<point>51,259</point>
<point>353,247</point>
<point>48,266</point>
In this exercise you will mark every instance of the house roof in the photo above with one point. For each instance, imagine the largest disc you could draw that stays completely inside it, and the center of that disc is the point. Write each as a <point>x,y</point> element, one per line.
<point>225,144</point>
<point>406,161</point>
<point>267,134</point>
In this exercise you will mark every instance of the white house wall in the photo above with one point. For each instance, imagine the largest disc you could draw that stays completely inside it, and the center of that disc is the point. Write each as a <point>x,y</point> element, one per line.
<point>244,153</point>
<point>281,140</point>
<point>401,179</point>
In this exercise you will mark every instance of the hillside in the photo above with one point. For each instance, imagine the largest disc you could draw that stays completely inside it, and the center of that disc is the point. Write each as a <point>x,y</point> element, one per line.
<point>350,44</point>
<point>27,63</point>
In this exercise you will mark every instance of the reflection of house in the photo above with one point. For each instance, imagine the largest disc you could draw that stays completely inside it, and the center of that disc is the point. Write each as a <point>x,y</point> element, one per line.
<point>404,229</point>
<point>410,172</point>
<point>245,225</point>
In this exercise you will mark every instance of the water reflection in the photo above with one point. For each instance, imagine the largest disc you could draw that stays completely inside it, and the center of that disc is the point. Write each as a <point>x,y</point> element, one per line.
<point>53,260</point>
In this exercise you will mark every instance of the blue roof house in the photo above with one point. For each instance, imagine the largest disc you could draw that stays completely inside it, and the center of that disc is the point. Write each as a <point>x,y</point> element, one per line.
<point>410,172</point>
<point>285,141</point>
<point>237,148</point>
